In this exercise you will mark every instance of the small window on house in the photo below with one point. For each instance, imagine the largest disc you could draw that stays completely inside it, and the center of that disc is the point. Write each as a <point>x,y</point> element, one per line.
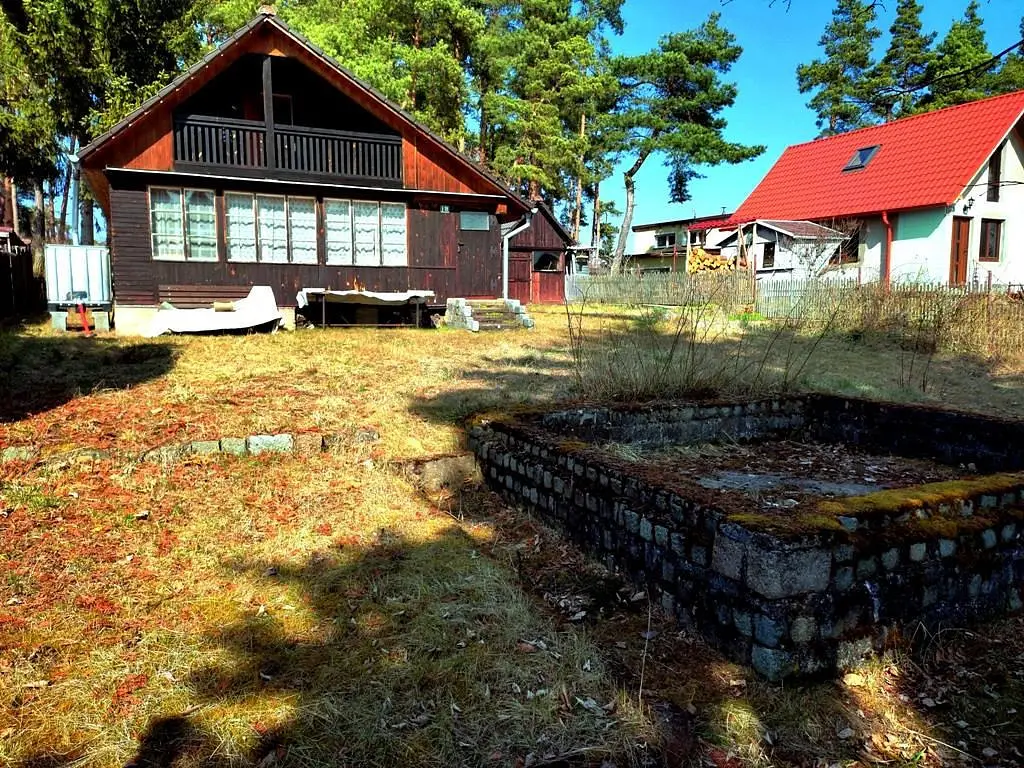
<point>338,231</point>
<point>183,224</point>
<point>664,239</point>
<point>995,172</point>
<point>474,221</point>
<point>991,237</point>
<point>273,229</point>
<point>848,252</point>
<point>861,158</point>
<point>302,229</point>
<point>697,236</point>
<point>240,226</point>
<point>365,233</point>
<point>545,261</point>
<point>768,259</point>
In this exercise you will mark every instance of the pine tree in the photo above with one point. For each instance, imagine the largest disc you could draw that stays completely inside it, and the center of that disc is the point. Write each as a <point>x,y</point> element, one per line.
<point>671,104</point>
<point>1010,76</point>
<point>959,73</point>
<point>841,81</point>
<point>902,70</point>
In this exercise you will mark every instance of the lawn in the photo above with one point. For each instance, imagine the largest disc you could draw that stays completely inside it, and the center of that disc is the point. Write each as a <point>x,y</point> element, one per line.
<point>323,610</point>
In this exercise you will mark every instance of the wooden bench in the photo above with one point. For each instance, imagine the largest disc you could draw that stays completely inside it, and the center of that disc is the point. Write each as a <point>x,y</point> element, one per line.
<point>195,296</point>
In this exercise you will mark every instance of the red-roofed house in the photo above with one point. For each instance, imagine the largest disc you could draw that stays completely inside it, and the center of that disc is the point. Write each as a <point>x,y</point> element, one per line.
<point>937,197</point>
<point>662,246</point>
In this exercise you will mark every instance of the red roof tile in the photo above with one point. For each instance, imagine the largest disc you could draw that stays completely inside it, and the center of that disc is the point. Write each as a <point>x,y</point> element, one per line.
<point>922,161</point>
<point>708,224</point>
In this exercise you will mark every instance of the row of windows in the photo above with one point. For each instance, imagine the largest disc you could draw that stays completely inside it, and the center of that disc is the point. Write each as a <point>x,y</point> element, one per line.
<point>280,229</point>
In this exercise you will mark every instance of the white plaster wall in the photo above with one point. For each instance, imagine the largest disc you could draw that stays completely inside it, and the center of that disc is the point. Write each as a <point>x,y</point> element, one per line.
<point>1009,209</point>
<point>643,241</point>
<point>920,248</point>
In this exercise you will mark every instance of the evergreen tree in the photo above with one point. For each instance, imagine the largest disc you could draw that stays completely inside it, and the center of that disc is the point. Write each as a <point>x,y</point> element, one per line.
<point>902,70</point>
<point>842,80</point>
<point>959,73</point>
<point>1010,76</point>
<point>671,102</point>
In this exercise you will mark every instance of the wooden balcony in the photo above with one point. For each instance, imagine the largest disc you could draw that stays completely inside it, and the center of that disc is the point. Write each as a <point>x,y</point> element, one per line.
<point>248,148</point>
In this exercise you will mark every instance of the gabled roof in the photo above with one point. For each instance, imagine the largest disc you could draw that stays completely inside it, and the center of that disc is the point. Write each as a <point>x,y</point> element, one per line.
<point>803,230</point>
<point>921,161</point>
<point>266,21</point>
<point>695,223</point>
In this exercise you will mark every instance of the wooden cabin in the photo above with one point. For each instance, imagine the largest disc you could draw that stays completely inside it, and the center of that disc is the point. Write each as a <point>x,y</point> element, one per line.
<point>267,163</point>
<point>538,259</point>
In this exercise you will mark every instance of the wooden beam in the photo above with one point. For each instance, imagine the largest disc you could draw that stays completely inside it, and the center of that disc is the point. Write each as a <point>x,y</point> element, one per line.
<point>268,112</point>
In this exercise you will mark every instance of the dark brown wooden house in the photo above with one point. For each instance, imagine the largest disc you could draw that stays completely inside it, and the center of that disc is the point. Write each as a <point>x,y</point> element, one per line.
<point>538,258</point>
<point>267,163</point>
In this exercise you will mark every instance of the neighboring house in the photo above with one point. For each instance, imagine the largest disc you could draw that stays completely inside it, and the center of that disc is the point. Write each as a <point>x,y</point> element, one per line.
<point>267,163</point>
<point>538,258</point>
<point>937,197</point>
<point>788,249</point>
<point>662,246</point>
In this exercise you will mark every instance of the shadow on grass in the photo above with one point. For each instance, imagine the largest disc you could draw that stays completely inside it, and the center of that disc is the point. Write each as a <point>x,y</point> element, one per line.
<point>405,653</point>
<point>38,373</point>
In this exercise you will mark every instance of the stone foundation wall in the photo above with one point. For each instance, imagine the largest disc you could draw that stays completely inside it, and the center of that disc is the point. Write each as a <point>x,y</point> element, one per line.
<point>786,604</point>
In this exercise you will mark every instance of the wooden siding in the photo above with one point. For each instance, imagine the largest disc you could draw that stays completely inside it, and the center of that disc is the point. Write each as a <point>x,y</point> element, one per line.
<point>442,258</point>
<point>147,143</point>
<point>541,236</point>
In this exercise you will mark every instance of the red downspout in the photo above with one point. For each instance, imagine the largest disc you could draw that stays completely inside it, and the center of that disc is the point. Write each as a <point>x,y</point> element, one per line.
<point>888,249</point>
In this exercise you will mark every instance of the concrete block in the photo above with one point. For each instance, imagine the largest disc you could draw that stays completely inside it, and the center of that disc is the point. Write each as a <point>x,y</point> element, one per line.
<point>204,446</point>
<point>775,573</point>
<point>771,663</point>
<point>768,631</point>
<point>233,445</point>
<point>257,444</point>
<point>727,557</point>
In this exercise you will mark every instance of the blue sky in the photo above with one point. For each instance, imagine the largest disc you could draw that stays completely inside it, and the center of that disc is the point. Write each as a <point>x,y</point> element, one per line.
<point>769,109</point>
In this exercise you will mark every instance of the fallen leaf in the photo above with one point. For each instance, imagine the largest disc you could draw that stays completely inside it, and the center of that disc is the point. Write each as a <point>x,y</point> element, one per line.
<point>853,679</point>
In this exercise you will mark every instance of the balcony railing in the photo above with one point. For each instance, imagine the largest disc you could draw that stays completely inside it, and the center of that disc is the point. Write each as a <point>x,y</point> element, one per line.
<point>297,152</point>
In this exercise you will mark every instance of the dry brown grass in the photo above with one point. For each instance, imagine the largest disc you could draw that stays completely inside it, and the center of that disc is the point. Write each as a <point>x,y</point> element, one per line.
<point>321,611</point>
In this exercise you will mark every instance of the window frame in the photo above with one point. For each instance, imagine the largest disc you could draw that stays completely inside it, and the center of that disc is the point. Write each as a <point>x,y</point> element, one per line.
<point>667,236</point>
<point>983,254</point>
<point>289,199</point>
<point>765,263</point>
<point>351,233</point>
<point>186,244</point>
<point>255,228</point>
<point>463,224</point>
<point>995,174</point>
<point>862,157</point>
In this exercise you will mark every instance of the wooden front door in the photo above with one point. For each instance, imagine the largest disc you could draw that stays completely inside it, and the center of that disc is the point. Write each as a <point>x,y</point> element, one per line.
<point>519,268</point>
<point>958,250</point>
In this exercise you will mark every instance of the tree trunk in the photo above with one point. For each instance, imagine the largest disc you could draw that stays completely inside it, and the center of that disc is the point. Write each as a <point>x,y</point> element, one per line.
<point>15,209</point>
<point>7,203</point>
<point>627,218</point>
<point>51,213</point>
<point>577,214</point>
<point>594,263</point>
<point>38,231</point>
<point>62,229</point>
<point>87,235</point>
<point>534,190</point>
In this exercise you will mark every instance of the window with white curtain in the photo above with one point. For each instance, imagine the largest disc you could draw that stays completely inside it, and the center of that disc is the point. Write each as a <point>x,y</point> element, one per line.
<point>240,226</point>
<point>365,233</point>
<point>392,235</point>
<point>366,217</point>
<point>302,229</point>
<point>183,224</point>
<point>167,224</point>
<point>338,231</point>
<point>200,225</point>
<point>273,229</point>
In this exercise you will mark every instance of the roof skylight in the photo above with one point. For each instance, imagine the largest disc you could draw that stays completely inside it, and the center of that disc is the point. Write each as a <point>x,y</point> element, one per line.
<point>861,158</point>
